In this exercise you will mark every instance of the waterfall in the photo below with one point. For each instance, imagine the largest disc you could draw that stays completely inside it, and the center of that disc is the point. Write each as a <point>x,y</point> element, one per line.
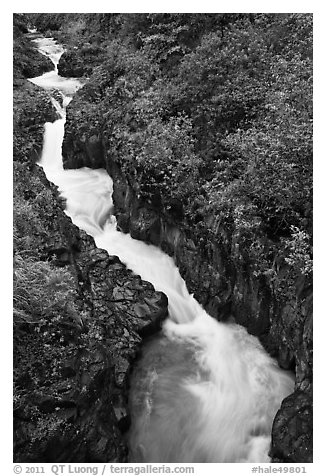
<point>203,391</point>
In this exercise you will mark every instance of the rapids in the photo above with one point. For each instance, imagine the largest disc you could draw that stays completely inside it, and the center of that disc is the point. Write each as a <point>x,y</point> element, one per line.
<point>203,391</point>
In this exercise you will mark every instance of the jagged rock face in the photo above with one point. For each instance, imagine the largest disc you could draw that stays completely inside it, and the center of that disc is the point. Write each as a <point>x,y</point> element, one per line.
<point>71,365</point>
<point>292,430</point>
<point>224,287</point>
<point>80,413</point>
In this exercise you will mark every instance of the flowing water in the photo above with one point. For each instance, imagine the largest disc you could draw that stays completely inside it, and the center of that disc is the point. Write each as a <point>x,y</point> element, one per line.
<point>203,391</point>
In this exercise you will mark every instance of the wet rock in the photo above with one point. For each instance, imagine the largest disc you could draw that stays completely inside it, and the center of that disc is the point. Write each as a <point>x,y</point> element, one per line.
<point>72,366</point>
<point>56,94</point>
<point>221,280</point>
<point>213,263</point>
<point>81,410</point>
<point>292,430</point>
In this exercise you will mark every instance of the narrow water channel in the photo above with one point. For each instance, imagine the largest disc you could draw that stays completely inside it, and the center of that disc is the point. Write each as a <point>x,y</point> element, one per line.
<point>203,391</point>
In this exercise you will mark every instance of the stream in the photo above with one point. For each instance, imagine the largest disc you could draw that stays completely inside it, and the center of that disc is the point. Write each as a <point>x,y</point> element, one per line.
<point>202,391</point>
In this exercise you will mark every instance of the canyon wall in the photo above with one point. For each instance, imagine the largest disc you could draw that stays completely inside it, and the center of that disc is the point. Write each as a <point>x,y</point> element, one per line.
<point>197,110</point>
<point>72,365</point>
<point>218,273</point>
<point>79,315</point>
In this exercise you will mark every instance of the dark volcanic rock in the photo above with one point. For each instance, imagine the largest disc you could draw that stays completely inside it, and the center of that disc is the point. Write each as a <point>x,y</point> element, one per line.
<point>218,273</point>
<point>292,430</point>
<point>72,354</point>
<point>226,288</point>
<point>79,413</point>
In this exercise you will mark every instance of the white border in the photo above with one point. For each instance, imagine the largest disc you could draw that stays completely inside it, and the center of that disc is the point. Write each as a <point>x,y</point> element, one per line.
<point>122,6</point>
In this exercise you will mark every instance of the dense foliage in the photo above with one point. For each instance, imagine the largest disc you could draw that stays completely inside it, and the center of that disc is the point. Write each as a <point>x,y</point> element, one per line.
<point>45,308</point>
<point>27,61</point>
<point>46,312</point>
<point>209,115</point>
<point>77,321</point>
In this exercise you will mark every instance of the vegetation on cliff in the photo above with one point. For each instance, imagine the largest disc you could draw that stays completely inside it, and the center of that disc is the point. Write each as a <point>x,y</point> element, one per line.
<point>78,315</point>
<point>208,120</point>
<point>208,115</point>
<point>46,306</point>
<point>27,61</point>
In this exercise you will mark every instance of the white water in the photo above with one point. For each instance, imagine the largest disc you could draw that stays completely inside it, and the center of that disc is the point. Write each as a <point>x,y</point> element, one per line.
<point>203,391</point>
<point>51,80</point>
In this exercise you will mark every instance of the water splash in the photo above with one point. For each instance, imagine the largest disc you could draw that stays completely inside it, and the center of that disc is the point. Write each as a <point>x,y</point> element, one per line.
<point>49,48</point>
<point>203,391</point>
<point>52,80</point>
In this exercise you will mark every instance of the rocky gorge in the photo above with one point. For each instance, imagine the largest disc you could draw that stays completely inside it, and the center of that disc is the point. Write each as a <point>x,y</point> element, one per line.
<point>224,284</point>
<point>79,315</point>
<point>262,293</point>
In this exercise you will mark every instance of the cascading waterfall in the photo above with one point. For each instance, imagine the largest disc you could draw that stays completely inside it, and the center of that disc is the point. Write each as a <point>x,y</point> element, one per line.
<point>51,80</point>
<point>203,391</point>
